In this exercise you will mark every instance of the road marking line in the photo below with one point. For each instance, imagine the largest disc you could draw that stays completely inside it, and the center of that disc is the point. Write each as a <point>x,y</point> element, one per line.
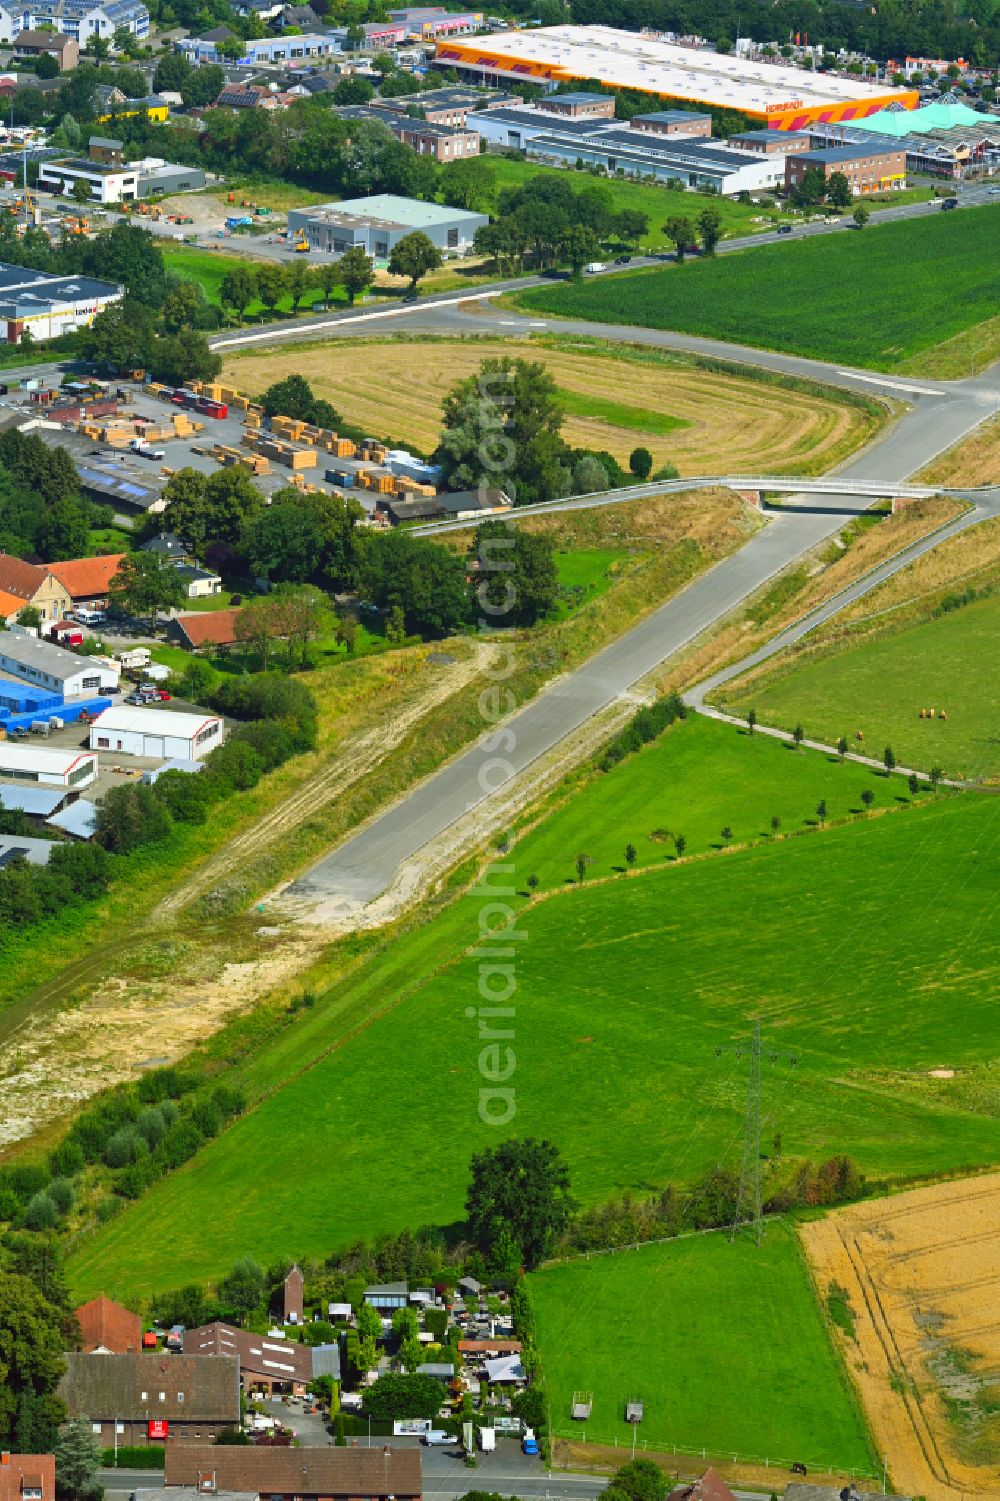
<point>394,312</point>
<point>896,385</point>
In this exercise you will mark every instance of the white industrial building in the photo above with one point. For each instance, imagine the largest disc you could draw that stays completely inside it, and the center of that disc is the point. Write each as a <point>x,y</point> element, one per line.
<point>678,152</point>
<point>108,182</point>
<point>43,763</point>
<point>35,661</point>
<point>49,305</point>
<point>156,733</point>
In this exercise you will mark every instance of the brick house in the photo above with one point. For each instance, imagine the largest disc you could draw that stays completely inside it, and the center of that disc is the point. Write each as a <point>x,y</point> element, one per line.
<point>87,580</point>
<point>109,1327</point>
<point>382,1474</point>
<point>869,169</point>
<point>148,1398</point>
<point>27,1477</point>
<point>292,1296</point>
<point>65,49</point>
<point>205,628</point>
<point>24,584</point>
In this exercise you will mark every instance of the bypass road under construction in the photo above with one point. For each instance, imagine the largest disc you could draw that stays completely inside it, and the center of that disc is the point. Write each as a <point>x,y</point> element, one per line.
<point>940,415</point>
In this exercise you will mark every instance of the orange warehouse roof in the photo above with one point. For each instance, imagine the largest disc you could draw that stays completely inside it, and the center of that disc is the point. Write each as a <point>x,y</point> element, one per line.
<point>86,577</point>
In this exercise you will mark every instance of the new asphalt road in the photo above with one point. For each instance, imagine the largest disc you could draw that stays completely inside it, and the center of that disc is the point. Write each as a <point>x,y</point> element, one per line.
<point>365,865</point>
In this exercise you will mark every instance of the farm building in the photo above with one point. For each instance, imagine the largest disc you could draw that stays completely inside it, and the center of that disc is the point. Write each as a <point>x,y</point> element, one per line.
<point>30,584</point>
<point>377,224</point>
<point>782,96</point>
<point>42,763</point>
<point>149,1397</point>
<point>28,1477</point>
<point>18,847</point>
<point>379,1474</point>
<point>52,667</point>
<point>267,1364</point>
<point>156,733</point>
<point>107,1326</point>
<point>87,580</point>
<point>208,628</point>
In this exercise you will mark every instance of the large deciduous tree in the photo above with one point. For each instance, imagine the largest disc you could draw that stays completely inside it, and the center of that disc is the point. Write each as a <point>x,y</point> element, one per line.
<point>502,429</point>
<point>32,1339</point>
<point>521,1186</point>
<point>413,256</point>
<point>516,573</point>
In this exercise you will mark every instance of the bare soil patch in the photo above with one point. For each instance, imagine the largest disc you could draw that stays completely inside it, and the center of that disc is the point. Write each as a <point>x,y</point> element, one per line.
<point>922,1275</point>
<point>395,389</point>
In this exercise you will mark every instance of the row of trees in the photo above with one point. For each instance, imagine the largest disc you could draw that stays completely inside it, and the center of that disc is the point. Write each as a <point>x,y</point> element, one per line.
<point>549,222</point>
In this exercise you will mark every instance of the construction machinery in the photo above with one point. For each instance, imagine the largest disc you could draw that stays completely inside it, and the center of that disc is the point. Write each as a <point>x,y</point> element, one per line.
<point>301,246</point>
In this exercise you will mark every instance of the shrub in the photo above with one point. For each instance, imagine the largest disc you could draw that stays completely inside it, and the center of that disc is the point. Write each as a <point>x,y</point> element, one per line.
<point>151,1125</point>
<point>60,1191</point>
<point>125,1147</point>
<point>66,1159</point>
<point>41,1213</point>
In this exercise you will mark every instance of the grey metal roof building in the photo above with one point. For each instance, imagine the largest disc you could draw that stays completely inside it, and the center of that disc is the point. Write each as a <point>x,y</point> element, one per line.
<point>17,847</point>
<point>378,223</point>
<point>51,663</point>
<point>35,801</point>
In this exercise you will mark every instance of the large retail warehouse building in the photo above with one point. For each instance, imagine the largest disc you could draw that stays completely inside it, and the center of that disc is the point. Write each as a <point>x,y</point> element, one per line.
<point>783,97</point>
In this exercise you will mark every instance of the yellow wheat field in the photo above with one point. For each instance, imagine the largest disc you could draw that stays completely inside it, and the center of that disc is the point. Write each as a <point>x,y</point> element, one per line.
<point>921,1272</point>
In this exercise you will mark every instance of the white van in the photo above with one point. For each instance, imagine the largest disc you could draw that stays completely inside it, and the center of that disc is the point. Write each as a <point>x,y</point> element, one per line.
<point>595,267</point>
<point>90,617</point>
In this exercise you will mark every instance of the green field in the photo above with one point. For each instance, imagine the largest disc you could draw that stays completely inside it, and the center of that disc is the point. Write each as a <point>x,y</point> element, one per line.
<point>585,573</point>
<point>714,1337</point>
<point>208,267</point>
<point>874,298</point>
<point>853,944</point>
<point>658,203</point>
<point>698,778</point>
<point>879,686</point>
<point>619,413</point>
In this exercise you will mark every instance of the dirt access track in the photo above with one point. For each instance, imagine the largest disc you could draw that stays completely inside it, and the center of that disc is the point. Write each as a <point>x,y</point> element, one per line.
<point>921,1274</point>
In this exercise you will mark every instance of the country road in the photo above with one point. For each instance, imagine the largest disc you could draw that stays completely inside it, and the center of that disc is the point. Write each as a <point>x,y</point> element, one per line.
<point>365,865</point>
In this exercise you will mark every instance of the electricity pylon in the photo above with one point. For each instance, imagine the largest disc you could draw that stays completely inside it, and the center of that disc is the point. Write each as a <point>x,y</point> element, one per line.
<point>749,1207</point>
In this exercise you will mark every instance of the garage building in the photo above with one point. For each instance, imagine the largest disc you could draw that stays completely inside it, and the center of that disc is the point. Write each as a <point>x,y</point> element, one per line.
<point>53,667</point>
<point>156,733</point>
<point>42,763</point>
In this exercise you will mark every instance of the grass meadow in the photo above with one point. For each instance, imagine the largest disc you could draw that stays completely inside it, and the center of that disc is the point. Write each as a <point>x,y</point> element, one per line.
<point>874,298</point>
<point>714,1337</point>
<point>854,945</point>
<point>879,685</point>
<point>699,777</point>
